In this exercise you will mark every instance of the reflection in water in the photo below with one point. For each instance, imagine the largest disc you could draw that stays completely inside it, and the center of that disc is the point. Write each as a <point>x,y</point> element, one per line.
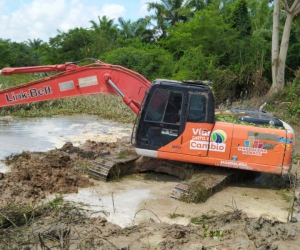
<point>42,134</point>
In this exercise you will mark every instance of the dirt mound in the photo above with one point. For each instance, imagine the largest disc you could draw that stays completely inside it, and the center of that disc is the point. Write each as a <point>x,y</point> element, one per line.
<point>269,233</point>
<point>35,175</point>
<point>89,150</point>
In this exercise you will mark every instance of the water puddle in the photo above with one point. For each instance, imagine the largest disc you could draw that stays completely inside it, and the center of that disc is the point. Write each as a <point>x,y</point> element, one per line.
<point>41,134</point>
<point>118,208</point>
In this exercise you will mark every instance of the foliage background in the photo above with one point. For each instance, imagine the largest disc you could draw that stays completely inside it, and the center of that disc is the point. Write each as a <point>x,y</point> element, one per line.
<point>226,42</point>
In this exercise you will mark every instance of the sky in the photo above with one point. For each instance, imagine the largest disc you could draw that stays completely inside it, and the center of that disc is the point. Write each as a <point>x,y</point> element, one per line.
<point>21,20</point>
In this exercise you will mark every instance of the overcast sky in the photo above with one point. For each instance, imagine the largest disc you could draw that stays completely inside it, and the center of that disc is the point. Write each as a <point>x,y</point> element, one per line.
<point>21,20</point>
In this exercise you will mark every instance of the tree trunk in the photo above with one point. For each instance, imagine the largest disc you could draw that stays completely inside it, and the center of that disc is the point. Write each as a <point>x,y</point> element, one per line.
<point>279,57</point>
<point>283,52</point>
<point>275,45</point>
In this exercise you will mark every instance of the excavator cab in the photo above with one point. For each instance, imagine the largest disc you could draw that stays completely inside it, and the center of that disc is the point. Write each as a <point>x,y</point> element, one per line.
<point>167,107</point>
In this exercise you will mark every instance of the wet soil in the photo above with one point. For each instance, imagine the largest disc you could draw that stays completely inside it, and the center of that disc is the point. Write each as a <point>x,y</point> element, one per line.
<point>35,176</point>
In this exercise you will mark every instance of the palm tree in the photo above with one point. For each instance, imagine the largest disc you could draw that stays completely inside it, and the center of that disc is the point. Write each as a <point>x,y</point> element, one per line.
<point>127,29</point>
<point>169,12</point>
<point>34,44</point>
<point>138,29</point>
<point>105,26</point>
<point>195,5</point>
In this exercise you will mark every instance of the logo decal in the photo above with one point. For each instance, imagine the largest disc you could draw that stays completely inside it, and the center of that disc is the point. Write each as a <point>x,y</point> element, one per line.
<point>32,93</point>
<point>286,142</point>
<point>201,140</point>
<point>219,136</point>
<point>252,147</point>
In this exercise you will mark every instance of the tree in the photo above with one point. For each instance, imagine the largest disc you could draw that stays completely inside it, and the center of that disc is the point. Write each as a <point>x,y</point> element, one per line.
<point>240,18</point>
<point>260,15</point>
<point>34,44</point>
<point>207,29</point>
<point>168,12</point>
<point>4,52</point>
<point>279,55</point>
<point>136,30</point>
<point>70,46</point>
<point>149,60</point>
<point>106,26</point>
<point>105,35</point>
<point>37,46</point>
<point>293,57</point>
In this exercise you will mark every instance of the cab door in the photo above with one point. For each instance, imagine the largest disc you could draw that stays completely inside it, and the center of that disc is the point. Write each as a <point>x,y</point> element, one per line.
<point>162,121</point>
<point>197,134</point>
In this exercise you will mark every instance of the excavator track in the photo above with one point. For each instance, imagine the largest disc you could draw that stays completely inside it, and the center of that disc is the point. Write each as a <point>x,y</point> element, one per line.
<point>100,168</point>
<point>180,190</point>
<point>200,181</point>
<point>201,186</point>
<point>103,169</point>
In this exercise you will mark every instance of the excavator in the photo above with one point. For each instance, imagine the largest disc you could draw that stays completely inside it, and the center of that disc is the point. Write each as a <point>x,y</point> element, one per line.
<point>175,119</point>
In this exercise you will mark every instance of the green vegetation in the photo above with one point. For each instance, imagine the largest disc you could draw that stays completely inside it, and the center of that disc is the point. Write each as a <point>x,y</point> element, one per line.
<point>47,226</point>
<point>189,40</point>
<point>198,193</point>
<point>23,214</point>
<point>207,219</point>
<point>105,106</point>
<point>286,104</point>
<point>123,154</point>
<point>174,215</point>
<point>14,157</point>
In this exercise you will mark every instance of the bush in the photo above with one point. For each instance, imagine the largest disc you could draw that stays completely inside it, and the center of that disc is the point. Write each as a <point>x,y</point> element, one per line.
<point>150,61</point>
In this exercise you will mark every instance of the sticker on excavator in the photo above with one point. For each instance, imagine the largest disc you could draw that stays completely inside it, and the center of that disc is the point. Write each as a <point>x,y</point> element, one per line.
<point>31,93</point>
<point>253,146</point>
<point>212,146</point>
<point>63,86</point>
<point>233,164</point>
<point>200,140</point>
<point>87,81</point>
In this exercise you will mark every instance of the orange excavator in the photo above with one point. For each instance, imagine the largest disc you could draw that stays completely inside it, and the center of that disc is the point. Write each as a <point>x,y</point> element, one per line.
<point>175,119</point>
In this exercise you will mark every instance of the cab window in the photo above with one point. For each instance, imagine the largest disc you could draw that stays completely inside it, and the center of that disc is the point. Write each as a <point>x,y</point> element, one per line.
<point>165,106</point>
<point>197,108</point>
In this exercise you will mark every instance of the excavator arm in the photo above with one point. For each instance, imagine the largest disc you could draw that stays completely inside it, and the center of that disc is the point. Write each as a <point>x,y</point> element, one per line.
<point>75,80</point>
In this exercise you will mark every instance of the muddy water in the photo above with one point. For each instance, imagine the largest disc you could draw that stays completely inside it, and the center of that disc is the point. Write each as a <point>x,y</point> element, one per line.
<point>42,134</point>
<point>122,201</point>
<point>119,207</point>
<point>144,197</point>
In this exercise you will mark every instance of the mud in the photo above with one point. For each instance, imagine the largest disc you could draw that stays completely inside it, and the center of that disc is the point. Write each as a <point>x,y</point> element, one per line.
<point>36,175</point>
<point>73,229</point>
<point>33,176</point>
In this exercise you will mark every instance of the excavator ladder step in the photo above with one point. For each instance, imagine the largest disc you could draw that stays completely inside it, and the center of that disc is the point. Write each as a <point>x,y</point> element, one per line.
<point>100,169</point>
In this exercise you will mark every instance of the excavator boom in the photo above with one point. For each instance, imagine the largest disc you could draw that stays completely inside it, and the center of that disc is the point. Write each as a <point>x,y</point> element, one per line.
<point>75,80</point>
